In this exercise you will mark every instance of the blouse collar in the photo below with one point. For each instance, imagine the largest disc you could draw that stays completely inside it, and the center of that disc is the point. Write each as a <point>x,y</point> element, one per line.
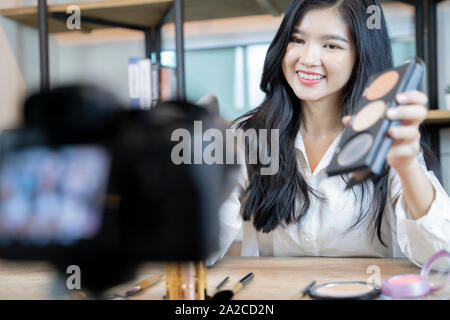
<point>326,159</point>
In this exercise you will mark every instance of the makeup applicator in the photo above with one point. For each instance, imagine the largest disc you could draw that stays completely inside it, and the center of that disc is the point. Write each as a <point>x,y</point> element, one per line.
<point>225,295</point>
<point>216,289</point>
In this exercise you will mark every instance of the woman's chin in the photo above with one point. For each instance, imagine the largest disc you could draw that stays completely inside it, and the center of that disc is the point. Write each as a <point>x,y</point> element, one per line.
<point>306,98</point>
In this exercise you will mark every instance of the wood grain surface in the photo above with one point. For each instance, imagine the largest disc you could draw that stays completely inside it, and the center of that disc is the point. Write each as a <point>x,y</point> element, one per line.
<point>276,278</point>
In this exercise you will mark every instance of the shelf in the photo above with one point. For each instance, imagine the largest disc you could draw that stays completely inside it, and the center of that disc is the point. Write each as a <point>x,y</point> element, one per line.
<point>146,13</point>
<point>196,10</point>
<point>438,117</point>
<point>141,13</point>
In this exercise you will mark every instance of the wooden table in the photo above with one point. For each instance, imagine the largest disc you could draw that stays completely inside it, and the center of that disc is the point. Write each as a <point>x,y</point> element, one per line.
<point>276,278</point>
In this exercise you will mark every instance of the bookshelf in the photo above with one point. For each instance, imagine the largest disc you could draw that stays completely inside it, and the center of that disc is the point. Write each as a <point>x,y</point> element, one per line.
<point>139,13</point>
<point>438,117</point>
<point>145,13</point>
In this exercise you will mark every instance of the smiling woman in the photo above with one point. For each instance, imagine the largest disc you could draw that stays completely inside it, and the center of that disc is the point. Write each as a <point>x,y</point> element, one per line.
<point>314,73</point>
<point>319,62</point>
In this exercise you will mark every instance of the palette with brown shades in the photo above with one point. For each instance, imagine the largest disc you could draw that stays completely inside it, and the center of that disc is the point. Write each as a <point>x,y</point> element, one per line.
<point>364,143</point>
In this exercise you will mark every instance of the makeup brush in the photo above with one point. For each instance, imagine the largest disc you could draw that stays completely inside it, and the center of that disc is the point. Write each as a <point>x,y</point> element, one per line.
<point>302,293</point>
<point>144,284</point>
<point>225,295</point>
<point>216,289</point>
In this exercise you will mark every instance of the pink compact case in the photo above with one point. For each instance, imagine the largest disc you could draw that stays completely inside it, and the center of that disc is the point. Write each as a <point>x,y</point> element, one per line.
<point>408,286</point>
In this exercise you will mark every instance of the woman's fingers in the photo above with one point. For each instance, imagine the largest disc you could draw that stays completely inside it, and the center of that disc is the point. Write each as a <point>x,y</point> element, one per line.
<point>413,114</point>
<point>412,97</point>
<point>405,133</point>
<point>402,152</point>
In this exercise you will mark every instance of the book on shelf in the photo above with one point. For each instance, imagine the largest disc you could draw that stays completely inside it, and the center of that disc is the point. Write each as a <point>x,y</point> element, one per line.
<point>168,84</point>
<point>142,79</point>
<point>140,83</point>
<point>134,82</point>
<point>145,83</point>
<point>155,80</point>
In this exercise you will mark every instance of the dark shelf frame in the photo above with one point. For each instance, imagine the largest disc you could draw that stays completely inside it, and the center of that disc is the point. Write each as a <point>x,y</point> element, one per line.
<point>426,37</point>
<point>152,41</point>
<point>43,45</point>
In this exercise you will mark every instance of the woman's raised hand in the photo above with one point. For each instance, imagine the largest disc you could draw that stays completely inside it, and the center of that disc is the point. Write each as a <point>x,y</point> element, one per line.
<point>412,111</point>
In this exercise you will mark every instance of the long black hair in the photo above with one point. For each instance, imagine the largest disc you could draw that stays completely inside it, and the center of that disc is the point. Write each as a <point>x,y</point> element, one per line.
<point>270,199</point>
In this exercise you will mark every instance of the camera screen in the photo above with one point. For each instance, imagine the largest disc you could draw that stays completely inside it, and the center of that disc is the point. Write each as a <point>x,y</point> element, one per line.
<point>52,195</point>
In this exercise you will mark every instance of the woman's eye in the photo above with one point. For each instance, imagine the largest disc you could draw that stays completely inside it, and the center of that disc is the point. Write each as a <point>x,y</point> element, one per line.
<point>332,46</point>
<point>297,40</point>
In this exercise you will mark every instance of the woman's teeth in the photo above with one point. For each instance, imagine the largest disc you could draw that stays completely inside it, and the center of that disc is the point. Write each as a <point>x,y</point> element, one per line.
<point>309,76</point>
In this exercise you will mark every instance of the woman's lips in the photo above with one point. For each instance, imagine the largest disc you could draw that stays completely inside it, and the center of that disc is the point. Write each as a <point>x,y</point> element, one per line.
<point>300,76</point>
<point>305,81</point>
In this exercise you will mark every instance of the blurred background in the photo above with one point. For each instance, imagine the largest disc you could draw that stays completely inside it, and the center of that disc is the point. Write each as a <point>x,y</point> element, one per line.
<point>223,56</point>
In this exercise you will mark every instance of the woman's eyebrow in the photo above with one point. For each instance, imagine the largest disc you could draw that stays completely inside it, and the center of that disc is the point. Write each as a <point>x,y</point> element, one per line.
<point>326,37</point>
<point>335,37</point>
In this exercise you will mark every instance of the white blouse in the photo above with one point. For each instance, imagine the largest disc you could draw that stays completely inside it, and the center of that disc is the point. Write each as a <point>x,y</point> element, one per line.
<point>323,231</point>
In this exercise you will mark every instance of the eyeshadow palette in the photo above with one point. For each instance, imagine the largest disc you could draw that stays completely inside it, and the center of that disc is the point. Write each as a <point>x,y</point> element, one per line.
<point>364,144</point>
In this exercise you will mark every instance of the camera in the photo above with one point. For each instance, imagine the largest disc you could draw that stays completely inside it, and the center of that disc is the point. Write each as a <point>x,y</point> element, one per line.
<point>86,182</point>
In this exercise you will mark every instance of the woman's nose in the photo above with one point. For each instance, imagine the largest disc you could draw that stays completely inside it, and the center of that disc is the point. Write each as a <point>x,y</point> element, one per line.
<point>310,55</point>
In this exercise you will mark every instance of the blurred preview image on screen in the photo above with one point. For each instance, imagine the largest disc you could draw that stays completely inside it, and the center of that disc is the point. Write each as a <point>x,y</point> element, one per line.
<point>52,195</point>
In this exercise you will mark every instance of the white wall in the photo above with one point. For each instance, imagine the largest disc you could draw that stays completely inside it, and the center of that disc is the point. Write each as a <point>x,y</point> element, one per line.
<point>12,86</point>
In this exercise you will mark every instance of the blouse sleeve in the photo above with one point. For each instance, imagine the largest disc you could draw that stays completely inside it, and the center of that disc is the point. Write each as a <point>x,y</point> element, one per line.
<point>419,239</point>
<point>230,219</point>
